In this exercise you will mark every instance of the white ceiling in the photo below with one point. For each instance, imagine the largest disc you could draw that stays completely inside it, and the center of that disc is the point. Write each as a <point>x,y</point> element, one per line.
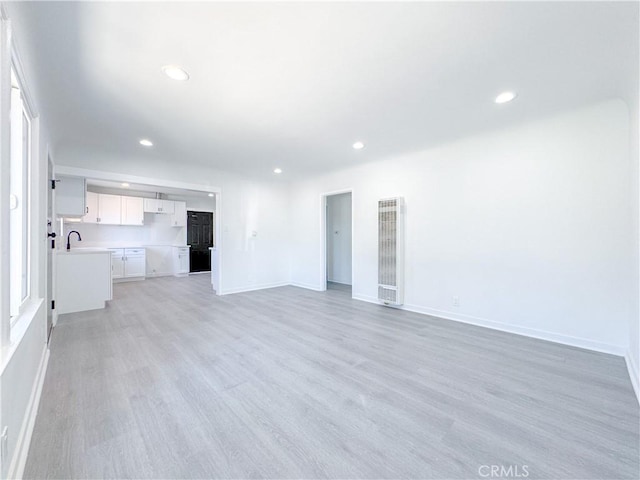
<point>293,85</point>
<point>139,187</point>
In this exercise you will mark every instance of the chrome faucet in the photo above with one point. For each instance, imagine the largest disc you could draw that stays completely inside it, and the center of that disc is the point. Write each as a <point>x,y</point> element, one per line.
<point>69,239</point>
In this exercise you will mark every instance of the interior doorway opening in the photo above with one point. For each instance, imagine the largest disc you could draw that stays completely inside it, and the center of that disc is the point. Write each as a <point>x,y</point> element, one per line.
<point>339,238</point>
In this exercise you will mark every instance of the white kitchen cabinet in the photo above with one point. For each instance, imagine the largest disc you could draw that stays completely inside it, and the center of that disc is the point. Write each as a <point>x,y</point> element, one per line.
<point>151,205</point>
<point>132,210</point>
<point>70,196</point>
<point>83,280</point>
<point>91,210</point>
<point>156,205</point>
<point>128,263</point>
<point>168,206</point>
<point>117,263</point>
<point>180,261</point>
<point>179,217</point>
<point>103,209</point>
<point>134,262</point>
<point>109,209</point>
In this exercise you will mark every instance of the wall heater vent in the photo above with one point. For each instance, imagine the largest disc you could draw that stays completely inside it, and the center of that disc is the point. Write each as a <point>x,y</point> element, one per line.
<point>391,251</point>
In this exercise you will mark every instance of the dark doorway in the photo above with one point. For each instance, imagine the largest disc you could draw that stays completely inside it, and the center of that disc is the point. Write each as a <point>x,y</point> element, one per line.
<point>200,237</point>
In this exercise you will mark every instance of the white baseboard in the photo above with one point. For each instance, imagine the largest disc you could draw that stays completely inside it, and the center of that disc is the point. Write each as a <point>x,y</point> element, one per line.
<point>158,275</point>
<point>632,368</point>
<point>504,327</point>
<point>308,286</point>
<point>131,279</point>
<point>339,282</point>
<point>19,460</point>
<point>253,288</point>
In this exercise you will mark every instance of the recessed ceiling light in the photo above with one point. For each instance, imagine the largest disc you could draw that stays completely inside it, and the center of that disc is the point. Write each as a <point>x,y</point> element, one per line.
<point>277,170</point>
<point>505,97</point>
<point>175,72</point>
<point>211,194</point>
<point>146,143</point>
<point>124,185</point>
<point>358,145</point>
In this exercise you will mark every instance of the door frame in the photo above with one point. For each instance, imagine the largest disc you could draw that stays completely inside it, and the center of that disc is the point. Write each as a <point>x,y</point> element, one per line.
<point>209,248</point>
<point>50,293</point>
<point>323,236</point>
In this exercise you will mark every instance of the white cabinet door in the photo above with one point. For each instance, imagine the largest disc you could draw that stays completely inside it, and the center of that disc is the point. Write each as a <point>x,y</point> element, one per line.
<point>184,262</point>
<point>135,262</point>
<point>91,209</point>
<point>132,211</point>
<point>180,260</point>
<point>151,205</point>
<point>117,263</point>
<point>135,266</point>
<point>155,205</point>
<point>167,206</point>
<point>70,196</point>
<point>110,209</point>
<point>179,217</point>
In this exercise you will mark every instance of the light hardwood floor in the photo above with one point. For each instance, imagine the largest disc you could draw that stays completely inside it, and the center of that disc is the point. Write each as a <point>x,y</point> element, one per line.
<point>171,381</point>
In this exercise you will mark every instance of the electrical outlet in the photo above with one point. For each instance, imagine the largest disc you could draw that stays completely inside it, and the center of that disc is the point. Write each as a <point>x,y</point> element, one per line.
<point>455,301</point>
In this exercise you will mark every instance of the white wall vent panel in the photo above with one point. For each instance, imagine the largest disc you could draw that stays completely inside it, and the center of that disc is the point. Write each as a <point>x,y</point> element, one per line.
<point>391,251</point>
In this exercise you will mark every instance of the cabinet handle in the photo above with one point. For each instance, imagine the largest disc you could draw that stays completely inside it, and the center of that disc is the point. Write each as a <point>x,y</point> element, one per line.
<point>87,209</point>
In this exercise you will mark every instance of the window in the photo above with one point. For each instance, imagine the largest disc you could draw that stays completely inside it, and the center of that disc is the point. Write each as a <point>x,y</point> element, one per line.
<point>19,235</point>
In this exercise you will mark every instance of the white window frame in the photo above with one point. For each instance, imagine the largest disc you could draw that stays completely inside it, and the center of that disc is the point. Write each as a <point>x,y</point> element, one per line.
<point>21,117</point>
<point>13,327</point>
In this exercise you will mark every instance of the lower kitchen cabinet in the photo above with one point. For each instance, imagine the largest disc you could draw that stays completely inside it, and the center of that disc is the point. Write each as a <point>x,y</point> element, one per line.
<point>128,263</point>
<point>180,261</point>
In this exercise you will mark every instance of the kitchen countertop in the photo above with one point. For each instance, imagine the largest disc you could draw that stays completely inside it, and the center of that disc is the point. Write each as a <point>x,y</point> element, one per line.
<point>82,251</point>
<point>132,245</point>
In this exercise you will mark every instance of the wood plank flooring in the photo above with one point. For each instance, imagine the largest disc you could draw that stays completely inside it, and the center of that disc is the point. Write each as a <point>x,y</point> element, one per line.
<point>171,381</point>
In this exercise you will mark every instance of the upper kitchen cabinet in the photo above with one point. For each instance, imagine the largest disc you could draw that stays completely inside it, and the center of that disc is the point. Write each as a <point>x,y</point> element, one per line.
<point>91,215</point>
<point>103,209</point>
<point>179,217</point>
<point>156,205</point>
<point>109,209</point>
<point>132,211</point>
<point>70,196</point>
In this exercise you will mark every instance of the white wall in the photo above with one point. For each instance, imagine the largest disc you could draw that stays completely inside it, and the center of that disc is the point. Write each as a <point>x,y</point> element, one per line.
<point>199,203</point>
<point>339,238</point>
<point>633,355</point>
<point>528,226</point>
<point>245,206</point>
<point>22,363</point>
